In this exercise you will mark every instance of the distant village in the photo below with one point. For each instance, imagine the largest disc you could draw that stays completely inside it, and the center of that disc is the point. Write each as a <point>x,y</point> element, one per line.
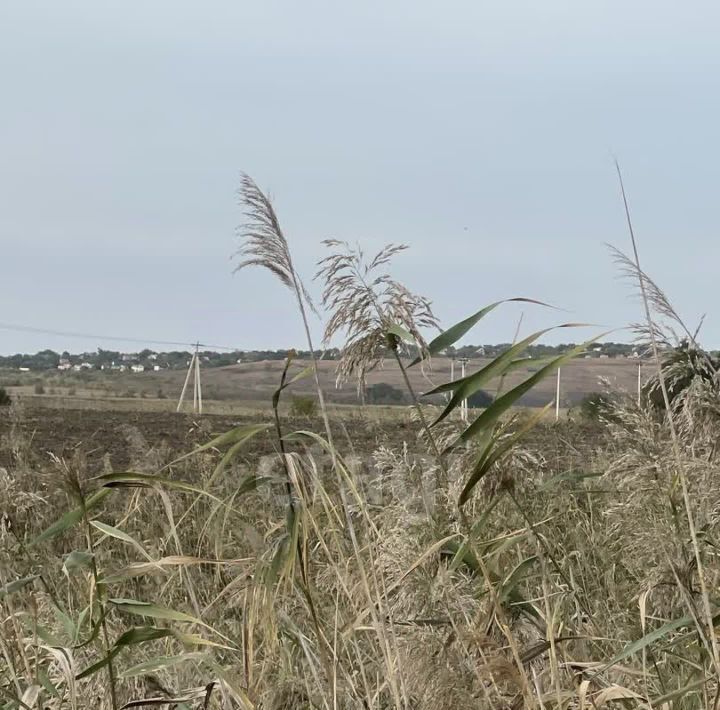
<point>150,360</point>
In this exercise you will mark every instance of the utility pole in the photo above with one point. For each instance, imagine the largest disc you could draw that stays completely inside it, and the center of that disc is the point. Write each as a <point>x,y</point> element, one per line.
<point>557,397</point>
<point>639,384</point>
<point>463,405</point>
<point>194,373</point>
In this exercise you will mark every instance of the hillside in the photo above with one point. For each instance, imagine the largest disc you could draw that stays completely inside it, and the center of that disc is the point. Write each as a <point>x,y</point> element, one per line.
<point>256,381</point>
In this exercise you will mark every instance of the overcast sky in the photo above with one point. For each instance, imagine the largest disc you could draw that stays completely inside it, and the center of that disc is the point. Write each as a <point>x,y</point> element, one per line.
<point>479,133</point>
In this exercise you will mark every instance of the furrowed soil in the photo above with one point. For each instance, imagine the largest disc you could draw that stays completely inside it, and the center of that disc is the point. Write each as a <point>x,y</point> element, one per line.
<point>116,440</point>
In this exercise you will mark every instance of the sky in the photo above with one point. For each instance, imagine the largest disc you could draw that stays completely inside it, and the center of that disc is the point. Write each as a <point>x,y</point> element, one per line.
<point>481,134</point>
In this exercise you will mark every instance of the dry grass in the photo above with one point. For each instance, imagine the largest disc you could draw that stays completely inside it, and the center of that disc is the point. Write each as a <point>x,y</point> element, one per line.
<point>552,572</point>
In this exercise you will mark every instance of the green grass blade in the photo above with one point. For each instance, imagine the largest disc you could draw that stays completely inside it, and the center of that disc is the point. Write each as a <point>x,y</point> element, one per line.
<point>16,585</point>
<point>467,386</point>
<point>72,517</point>
<point>118,534</point>
<point>161,663</point>
<point>647,640</point>
<point>509,585</point>
<point>503,404</point>
<point>234,436</point>
<point>455,332</point>
<point>491,454</point>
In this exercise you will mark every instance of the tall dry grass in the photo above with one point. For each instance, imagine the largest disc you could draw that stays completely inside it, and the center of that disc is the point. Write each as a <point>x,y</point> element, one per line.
<point>547,567</point>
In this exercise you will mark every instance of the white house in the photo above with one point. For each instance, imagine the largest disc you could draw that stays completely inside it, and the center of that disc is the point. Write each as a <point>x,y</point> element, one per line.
<point>137,368</point>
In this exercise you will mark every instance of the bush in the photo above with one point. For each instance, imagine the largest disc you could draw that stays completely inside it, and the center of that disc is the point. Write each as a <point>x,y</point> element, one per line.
<point>303,407</point>
<point>596,406</point>
<point>39,389</point>
<point>480,400</point>
<point>383,393</point>
<point>5,399</point>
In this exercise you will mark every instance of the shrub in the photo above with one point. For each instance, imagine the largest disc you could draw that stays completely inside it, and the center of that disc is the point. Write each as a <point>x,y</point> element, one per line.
<point>383,393</point>
<point>39,389</point>
<point>596,406</point>
<point>303,406</point>
<point>480,400</point>
<point>5,399</point>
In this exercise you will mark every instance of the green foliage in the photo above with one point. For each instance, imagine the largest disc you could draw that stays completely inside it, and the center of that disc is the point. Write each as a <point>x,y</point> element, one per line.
<point>596,406</point>
<point>302,406</point>
<point>683,367</point>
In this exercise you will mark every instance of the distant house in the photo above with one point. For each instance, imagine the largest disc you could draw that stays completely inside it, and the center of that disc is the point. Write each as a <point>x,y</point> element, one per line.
<point>157,368</point>
<point>24,369</point>
<point>137,368</point>
<point>64,364</point>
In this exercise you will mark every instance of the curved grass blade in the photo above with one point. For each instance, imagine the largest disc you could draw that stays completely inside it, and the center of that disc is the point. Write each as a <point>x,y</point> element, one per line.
<point>651,638</point>
<point>16,585</point>
<point>399,332</point>
<point>502,404</point>
<point>240,434</point>
<point>491,454</point>
<point>467,386</point>
<point>118,534</point>
<point>161,663</point>
<point>130,479</point>
<point>509,585</point>
<point>72,517</point>
<point>455,332</point>
<point>154,611</point>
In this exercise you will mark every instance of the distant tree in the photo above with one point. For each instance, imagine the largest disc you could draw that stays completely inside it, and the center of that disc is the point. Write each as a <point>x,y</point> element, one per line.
<point>5,399</point>
<point>39,388</point>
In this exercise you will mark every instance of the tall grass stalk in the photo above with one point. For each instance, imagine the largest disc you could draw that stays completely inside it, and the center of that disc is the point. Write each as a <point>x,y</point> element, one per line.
<point>709,632</point>
<point>265,245</point>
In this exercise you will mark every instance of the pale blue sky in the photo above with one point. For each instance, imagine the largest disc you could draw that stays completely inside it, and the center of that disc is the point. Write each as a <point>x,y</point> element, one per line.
<point>478,133</point>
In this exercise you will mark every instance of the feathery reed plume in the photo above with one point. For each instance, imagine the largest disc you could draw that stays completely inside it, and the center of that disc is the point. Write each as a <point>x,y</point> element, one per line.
<point>264,243</point>
<point>363,303</point>
<point>663,333</point>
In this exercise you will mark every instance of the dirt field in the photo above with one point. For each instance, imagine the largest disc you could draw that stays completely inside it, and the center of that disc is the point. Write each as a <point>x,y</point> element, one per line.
<point>110,435</point>
<point>120,438</point>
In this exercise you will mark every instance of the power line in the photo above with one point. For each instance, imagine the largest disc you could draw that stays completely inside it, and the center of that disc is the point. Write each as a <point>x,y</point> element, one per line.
<point>115,338</point>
